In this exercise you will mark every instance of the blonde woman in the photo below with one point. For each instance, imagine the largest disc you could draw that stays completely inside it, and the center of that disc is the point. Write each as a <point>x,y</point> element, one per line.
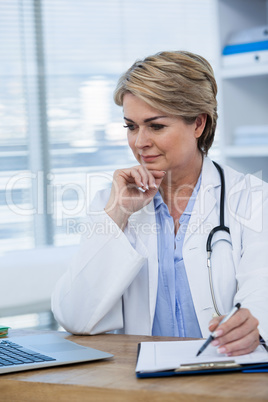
<point>146,271</point>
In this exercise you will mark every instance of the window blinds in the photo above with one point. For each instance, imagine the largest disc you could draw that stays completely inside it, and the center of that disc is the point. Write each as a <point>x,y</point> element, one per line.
<point>85,45</point>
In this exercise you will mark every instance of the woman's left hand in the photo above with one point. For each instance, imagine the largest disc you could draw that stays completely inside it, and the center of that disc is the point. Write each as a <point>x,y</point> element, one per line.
<point>237,336</point>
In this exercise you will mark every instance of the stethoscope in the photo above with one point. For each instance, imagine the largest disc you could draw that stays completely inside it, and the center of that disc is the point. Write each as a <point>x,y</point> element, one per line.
<point>219,228</point>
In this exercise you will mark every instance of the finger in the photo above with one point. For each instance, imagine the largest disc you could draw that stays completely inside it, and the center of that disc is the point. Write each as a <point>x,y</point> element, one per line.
<point>157,173</point>
<point>237,333</point>
<point>233,322</point>
<point>144,177</point>
<point>144,180</point>
<point>244,345</point>
<point>152,174</point>
<point>242,316</point>
<point>136,176</point>
<point>155,178</point>
<point>244,351</point>
<point>131,179</point>
<point>150,178</point>
<point>225,327</point>
<point>214,323</point>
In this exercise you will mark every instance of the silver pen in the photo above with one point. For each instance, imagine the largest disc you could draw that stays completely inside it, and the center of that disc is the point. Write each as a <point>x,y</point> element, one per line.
<point>213,335</point>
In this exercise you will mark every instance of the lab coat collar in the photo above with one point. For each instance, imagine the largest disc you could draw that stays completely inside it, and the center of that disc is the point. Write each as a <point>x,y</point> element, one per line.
<point>206,200</point>
<point>210,175</point>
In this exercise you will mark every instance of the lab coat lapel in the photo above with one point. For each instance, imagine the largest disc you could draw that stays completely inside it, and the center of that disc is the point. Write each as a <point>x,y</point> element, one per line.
<point>144,224</point>
<point>204,217</point>
<point>206,200</point>
<point>144,227</point>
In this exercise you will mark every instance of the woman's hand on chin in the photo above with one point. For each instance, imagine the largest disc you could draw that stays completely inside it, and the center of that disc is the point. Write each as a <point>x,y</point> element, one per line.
<point>132,189</point>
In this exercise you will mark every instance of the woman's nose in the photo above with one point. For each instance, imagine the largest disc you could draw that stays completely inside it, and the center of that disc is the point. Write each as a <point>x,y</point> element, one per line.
<point>143,139</point>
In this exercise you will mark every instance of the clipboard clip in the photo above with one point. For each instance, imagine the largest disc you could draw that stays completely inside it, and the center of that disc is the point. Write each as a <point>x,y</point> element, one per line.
<point>207,366</point>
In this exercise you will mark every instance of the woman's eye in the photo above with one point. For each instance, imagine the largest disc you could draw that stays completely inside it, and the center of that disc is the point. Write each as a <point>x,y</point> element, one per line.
<point>131,127</point>
<point>157,127</point>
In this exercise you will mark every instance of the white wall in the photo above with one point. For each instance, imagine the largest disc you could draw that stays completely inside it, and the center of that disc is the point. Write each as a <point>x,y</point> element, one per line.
<point>29,276</point>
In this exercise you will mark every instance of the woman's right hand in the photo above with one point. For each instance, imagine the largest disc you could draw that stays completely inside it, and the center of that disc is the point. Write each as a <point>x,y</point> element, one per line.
<point>132,189</point>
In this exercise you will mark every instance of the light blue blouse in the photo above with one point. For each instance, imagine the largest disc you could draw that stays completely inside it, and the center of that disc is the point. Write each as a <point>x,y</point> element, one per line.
<point>175,313</point>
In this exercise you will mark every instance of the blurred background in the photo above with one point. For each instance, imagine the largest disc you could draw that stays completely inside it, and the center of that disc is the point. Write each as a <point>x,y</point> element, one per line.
<point>61,136</point>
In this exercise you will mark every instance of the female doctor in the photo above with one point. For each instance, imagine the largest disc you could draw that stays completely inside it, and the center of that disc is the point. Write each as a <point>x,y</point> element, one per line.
<point>142,266</point>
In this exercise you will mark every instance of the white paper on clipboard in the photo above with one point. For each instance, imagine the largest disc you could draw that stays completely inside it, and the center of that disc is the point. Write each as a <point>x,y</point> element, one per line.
<point>162,356</point>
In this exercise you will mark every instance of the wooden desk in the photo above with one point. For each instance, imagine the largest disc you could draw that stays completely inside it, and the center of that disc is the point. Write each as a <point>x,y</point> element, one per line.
<point>115,380</point>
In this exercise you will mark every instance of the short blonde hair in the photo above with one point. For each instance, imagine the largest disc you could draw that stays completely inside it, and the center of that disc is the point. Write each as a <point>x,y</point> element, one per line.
<point>179,83</point>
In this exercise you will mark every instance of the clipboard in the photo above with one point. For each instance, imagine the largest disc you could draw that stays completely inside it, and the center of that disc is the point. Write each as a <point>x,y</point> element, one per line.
<point>206,367</point>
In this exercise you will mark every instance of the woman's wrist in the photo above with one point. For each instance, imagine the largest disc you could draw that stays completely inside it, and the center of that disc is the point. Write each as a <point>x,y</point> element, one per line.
<point>117,214</point>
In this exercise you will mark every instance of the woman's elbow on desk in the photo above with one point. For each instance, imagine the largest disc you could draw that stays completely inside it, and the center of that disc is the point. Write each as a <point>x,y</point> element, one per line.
<point>78,319</point>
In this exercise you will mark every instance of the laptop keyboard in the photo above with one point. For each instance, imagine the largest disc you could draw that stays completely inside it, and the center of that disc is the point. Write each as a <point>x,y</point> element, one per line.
<point>12,353</point>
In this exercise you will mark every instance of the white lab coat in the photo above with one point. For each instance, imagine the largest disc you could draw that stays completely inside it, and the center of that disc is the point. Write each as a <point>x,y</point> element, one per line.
<point>112,282</point>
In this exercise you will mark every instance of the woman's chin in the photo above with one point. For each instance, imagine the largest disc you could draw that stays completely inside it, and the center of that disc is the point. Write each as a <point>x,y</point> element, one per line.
<point>152,165</point>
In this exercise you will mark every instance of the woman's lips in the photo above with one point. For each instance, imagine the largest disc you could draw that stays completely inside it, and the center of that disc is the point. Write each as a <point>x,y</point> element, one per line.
<point>149,158</point>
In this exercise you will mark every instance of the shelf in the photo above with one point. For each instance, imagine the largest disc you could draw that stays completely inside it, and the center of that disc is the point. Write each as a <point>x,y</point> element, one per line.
<point>244,71</point>
<point>246,151</point>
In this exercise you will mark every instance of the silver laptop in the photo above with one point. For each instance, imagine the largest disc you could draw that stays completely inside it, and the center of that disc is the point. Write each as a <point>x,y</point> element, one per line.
<point>43,350</point>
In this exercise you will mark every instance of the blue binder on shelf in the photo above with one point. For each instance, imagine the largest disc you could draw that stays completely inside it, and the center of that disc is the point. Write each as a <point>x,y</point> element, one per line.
<point>249,40</point>
<point>249,46</point>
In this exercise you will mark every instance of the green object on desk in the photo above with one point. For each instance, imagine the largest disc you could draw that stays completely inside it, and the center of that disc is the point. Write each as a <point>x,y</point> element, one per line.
<point>3,331</point>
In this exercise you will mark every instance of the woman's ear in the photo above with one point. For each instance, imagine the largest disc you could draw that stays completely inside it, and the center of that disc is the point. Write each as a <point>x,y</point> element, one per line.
<point>200,123</point>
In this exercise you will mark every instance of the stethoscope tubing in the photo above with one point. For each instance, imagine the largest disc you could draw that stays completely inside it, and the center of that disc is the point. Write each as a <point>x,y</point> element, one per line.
<point>221,227</point>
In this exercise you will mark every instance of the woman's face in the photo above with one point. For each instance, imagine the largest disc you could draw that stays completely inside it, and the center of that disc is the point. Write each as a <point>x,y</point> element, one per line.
<point>160,141</point>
